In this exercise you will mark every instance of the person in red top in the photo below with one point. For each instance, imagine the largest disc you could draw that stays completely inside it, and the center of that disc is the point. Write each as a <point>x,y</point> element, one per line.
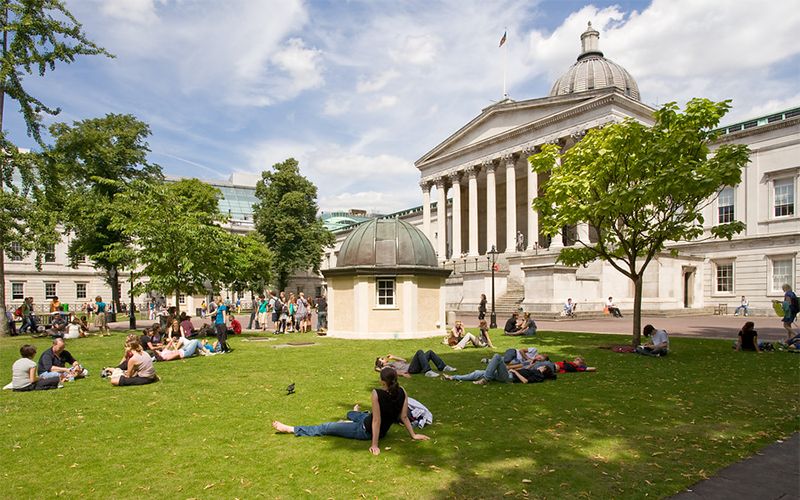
<point>577,365</point>
<point>236,327</point>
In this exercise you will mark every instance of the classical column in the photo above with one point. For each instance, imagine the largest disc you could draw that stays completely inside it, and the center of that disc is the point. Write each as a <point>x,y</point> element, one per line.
<point>557,240</point>
<point>426,209</point>
<point>473,210</point>
<point>511,202</point>
<point>533,192</point>
<point>491,206</point>
<point>455,180</point>
<point>441,217</point>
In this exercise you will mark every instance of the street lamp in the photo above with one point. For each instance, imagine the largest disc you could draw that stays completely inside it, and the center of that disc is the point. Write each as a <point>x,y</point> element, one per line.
<point>132,310</point>
<point>493,318</point>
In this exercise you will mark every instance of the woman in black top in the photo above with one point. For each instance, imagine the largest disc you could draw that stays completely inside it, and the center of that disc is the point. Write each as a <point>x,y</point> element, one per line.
<point>748,338</point>
<point>388,404</point>
<point>482,307</point>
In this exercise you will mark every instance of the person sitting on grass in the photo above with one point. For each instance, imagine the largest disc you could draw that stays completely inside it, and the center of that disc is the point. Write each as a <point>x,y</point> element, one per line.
<point>140,370</point>
<point>419,364</point>
<point>187,328</point>
<point>174,329</point>
<point>577,365</point>
<point>54,361</point>
<point>236,327</point>
<point>152,339</point>
<point>23,373</point>
<point>482,341</point>
<point>498,371</point>
<point>456,334</point>
<point>658,345</point>
<point>748,339</point>
<point>389,404</point>
<point>528,326</point>
<point>512,327</point>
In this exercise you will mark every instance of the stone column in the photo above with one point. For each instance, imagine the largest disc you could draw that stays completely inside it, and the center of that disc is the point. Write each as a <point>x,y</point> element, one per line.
<point>455,182</point>
<point>557,241</point>
<point>491,206</point>
<point>511,202</point>
<point>533,192</point>
<point>426,209</point>
<point>473,210</point>
<point>441,217</point>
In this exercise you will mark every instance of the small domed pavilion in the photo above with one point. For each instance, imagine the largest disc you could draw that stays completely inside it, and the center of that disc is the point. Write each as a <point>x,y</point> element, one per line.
<point>387,283</point>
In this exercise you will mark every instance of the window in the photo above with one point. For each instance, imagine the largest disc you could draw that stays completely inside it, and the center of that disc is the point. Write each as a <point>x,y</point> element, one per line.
<point>725,277</point>
<point>17,291</point>
<point>782,274</point>
<point>80,290</point>
<point>784,197</point>
<point>385,292</point>
<point>50,253</point>
<point>16,248</point>
<point>49,291</point>
<point>725,205</point>
<point>182,299</point>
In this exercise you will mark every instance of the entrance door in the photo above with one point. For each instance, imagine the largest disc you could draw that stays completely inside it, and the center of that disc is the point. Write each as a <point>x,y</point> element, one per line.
<point>688,287</point>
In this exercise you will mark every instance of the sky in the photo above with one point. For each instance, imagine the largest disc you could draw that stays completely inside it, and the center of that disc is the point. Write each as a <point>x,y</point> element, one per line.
<point>358,90</point>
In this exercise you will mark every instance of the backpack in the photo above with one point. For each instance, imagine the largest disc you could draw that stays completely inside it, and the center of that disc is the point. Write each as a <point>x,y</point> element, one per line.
<point>18,312</point>
<point>278,306</point>
<point>794,304</point>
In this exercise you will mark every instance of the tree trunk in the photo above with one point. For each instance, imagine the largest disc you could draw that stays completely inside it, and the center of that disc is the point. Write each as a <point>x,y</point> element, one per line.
<point>637,310</point>
<point>177,301</point>
<point>4,330</point>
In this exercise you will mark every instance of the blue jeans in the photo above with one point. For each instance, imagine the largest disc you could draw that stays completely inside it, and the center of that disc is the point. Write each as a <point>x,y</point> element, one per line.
<point>495,371</point>
<point>740,307</point>
<point>421,362</point>
<point>50,374</point>
<point>190,347</point>
<point>531,329</point>
<point>511,355</point>
<point>322,320</point>
<point>349,430</point>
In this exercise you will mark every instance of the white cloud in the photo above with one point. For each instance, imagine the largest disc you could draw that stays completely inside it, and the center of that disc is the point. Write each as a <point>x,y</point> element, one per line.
<point>378,83</point>
<point>418,50</point>
<point>132,11</point>
<point>335,106</point>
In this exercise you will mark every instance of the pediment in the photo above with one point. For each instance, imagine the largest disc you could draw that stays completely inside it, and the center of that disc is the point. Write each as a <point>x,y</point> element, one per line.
<point>508,118</point>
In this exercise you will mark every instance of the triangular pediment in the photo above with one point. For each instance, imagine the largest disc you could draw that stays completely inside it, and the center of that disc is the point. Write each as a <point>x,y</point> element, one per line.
<point>508,118</point>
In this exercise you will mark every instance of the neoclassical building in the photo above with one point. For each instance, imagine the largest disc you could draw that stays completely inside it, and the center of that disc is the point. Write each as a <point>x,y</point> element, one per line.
<point>484,188</point>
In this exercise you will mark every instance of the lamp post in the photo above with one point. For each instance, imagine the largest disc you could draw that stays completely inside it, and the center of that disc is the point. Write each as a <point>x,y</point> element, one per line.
<point>493,318</point>
<point>132,310</point>
<point>112,316</point>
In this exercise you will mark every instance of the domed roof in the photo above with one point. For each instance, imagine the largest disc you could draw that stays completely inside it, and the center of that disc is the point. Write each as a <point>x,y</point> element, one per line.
<point>386,243</point>
<point>593,71</point>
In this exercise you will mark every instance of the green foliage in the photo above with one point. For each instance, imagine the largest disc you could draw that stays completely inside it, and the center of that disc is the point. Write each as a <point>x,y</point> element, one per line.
<point>178,243</point>
<point>249,266</point>
<point>640,187</point>
<point>637,428</point>
<point>39,34</point>
<point>287,218</point>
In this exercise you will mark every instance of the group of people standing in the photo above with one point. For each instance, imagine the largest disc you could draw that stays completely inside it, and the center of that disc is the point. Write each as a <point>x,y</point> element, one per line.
<point>290,315</point>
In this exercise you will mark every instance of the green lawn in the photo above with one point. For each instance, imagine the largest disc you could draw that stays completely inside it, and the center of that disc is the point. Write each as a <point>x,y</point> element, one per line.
<point>638,427</point>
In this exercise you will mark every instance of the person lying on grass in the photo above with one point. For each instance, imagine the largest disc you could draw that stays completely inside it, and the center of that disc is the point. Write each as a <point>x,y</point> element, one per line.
<point>419,364</point>
<point>23,373</point>
<point>389,404</point>
<point>538,360</point>
<point>178,348</point>
<point>140,370</point>
<point>518,356</point>
<point>498,371</point>
<point>577,365</point>
<point>482,341</point>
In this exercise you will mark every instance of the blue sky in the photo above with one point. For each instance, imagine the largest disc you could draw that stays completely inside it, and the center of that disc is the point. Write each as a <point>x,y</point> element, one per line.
<point>359,90</point>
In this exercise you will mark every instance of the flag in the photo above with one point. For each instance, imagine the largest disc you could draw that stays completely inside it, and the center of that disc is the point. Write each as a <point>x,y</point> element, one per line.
<point>503,40</point>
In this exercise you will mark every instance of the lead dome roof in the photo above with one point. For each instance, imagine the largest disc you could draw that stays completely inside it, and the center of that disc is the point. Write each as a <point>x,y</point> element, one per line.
<point>593,71</point>
<point>386,243</point>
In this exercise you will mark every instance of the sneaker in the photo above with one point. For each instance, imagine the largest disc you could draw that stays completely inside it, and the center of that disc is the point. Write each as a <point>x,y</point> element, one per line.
<point>449,368</point>
<point>481,381</point>
<point>431,373</point>
<point>85,372</point>
<point>485,360</point>
<point>447,377</point>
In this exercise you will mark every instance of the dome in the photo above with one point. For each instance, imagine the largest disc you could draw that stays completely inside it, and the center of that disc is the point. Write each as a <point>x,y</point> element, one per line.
<point>387,243</point>
<point>593,71</point>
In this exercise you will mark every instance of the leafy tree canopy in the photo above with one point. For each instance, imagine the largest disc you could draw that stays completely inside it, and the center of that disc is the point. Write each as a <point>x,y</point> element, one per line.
<point>287,218</point>
<point>640,187</point>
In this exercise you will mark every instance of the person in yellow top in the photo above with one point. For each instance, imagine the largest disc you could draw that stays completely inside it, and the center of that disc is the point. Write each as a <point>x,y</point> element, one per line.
<point>55,305</point>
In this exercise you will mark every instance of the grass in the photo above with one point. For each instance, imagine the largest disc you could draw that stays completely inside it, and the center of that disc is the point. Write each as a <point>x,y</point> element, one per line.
<point>637,427</point>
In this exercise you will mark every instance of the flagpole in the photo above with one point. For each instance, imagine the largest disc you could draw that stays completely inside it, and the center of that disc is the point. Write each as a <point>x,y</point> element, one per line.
<point>505,61</point>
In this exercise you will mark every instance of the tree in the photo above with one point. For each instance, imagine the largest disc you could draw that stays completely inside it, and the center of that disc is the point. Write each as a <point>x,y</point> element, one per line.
<point>249,266</point>
<point>178,242</point>
<point>640,187</point>
<point>96,158</point>
<point>36,35</point>
<point>287,218</point>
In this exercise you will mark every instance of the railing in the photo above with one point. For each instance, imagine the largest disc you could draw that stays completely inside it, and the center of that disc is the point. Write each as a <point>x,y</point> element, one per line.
<point>469,264</point>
